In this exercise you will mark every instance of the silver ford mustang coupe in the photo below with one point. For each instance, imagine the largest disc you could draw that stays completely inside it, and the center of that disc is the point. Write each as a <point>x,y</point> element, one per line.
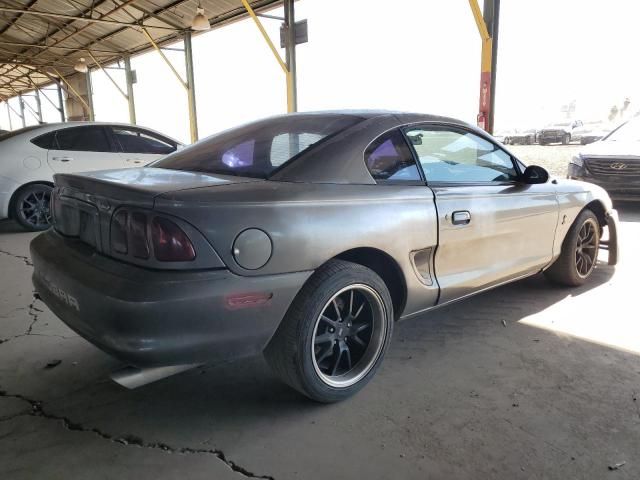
<point>305,237</point>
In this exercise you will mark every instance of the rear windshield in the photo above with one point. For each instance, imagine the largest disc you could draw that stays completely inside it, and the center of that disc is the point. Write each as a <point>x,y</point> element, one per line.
<point>257,149</point>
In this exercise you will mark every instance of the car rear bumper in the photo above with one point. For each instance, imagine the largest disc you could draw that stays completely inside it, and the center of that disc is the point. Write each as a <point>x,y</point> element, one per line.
<point>154,318</point>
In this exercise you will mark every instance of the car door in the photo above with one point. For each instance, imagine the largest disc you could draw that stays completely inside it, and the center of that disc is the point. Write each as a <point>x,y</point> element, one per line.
<point>492,228</point>
<point>81,149</point>
<point>139,147</point>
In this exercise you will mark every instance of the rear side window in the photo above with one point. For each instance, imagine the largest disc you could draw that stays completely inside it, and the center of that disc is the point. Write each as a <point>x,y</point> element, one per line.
<point>138,141</point>
<point>83,139</point>
<point>45,141</point>
<point>288,145</point>
<point>389,159</point>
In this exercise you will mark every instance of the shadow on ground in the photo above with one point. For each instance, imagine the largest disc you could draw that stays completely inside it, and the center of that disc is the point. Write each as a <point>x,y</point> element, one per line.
<point>466,391</point>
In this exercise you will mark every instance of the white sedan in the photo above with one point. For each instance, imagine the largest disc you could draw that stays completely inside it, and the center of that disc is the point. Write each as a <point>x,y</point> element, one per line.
<point>29,158</point>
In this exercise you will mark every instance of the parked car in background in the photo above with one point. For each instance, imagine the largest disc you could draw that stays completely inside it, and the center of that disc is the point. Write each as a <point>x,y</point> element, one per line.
<point>559,132</point>
<point>613,162</point>
<point>590,132</point>
<point>305,236</point>
<point>521,137</point>
<point>29,158</point>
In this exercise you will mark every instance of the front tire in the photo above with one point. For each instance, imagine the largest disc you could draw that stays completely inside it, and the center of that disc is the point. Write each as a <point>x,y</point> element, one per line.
<point>579,252</point>
<point>335,333</point>
<point>31,207</point>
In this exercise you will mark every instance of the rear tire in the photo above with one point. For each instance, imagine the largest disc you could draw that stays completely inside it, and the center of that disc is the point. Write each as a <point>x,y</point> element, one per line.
<point>579,252</point>
<point>30,207</point>
<point>335,334</point>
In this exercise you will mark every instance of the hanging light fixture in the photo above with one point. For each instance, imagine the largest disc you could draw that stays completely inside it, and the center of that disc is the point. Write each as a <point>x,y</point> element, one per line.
<point>81,66</point>
<point>200,23</point>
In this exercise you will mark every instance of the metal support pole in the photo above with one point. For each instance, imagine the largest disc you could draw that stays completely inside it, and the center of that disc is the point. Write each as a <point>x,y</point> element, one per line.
<point>60,102</point>
<point>290,49</point>
<point>191,91</point>
<point>21,103</point>
<point>39,105</point>
<point>9,115</point>
<point>129,77</point>
<point>90,96</point>
<point>491,14</point>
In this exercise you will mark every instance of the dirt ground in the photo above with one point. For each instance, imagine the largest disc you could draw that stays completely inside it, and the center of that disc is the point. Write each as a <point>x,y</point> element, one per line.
<point>528,381</point>
<point>554,158</point>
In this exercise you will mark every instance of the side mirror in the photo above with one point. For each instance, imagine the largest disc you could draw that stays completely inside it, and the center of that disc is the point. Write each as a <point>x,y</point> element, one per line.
<point>534,174</point>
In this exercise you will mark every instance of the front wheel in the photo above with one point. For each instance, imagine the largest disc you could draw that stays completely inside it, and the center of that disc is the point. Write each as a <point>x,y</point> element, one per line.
<point>579,252</point>
<point>31,207</point>
<point>335,334</point>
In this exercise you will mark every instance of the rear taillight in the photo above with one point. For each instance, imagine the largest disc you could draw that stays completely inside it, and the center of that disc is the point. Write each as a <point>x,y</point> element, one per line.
<point>136,234</point>
<point>170,243</point>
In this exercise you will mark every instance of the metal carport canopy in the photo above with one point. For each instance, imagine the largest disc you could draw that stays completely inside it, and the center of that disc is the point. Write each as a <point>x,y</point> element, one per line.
<point>42,40</point>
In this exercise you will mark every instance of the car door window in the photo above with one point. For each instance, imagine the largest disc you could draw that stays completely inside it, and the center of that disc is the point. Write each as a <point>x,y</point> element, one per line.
<point>389,159</point>
<point>453,156</point>
<point>82,139</point>
<point>138,141</point>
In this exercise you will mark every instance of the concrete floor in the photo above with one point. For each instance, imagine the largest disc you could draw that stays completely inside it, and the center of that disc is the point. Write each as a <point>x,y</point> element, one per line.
<point>553,392</point>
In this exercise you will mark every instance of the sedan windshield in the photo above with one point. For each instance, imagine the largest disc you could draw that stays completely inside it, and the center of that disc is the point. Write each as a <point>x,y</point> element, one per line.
<point>627,132</point>
<point>259,148</point>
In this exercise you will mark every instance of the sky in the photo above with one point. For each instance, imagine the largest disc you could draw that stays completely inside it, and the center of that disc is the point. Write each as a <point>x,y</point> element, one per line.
<point>417,55</point>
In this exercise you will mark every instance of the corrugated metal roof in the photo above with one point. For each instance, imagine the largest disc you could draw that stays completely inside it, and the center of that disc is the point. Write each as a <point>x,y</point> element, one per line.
<point>56,33</point>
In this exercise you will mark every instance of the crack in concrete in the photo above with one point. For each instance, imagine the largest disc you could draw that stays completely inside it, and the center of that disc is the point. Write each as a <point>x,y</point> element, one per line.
<point>34,313</point>
<point>37,410</point>
<point>26,260</point>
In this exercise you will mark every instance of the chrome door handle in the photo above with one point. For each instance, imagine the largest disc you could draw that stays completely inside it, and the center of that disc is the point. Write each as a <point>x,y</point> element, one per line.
<point>461,217</point>
<point>62,159</point>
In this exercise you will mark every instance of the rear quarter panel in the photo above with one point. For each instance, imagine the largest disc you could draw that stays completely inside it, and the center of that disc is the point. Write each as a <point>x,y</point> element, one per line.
<point>311,223</point>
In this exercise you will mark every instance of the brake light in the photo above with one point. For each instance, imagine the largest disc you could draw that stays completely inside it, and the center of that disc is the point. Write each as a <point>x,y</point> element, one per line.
<point>134,233</point>
<point>170,243</point>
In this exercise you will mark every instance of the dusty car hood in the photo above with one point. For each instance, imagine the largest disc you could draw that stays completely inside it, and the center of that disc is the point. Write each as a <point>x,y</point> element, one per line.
<point>612,149</point>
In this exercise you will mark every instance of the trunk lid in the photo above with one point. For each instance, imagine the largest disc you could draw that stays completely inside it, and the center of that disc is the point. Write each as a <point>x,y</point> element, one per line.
<point>83,204</point>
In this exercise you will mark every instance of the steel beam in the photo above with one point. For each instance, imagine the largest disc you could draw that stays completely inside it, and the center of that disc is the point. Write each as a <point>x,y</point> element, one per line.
<point>191,89</point>
<point>92,116</point>
<point>272,47</point>
<point>39,105</point>
<point>60,102</point>
<point>9,114</point>
<point>491,16</point>
<point>21,104</point>
<point>82,19</point>
<point>130,100</point>
<point>290,49</point>
<point>485,109</point>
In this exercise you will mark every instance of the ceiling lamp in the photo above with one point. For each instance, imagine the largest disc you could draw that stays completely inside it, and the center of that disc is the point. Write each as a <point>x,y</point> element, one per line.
<point>200,23</point>
<point>81,66</point>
